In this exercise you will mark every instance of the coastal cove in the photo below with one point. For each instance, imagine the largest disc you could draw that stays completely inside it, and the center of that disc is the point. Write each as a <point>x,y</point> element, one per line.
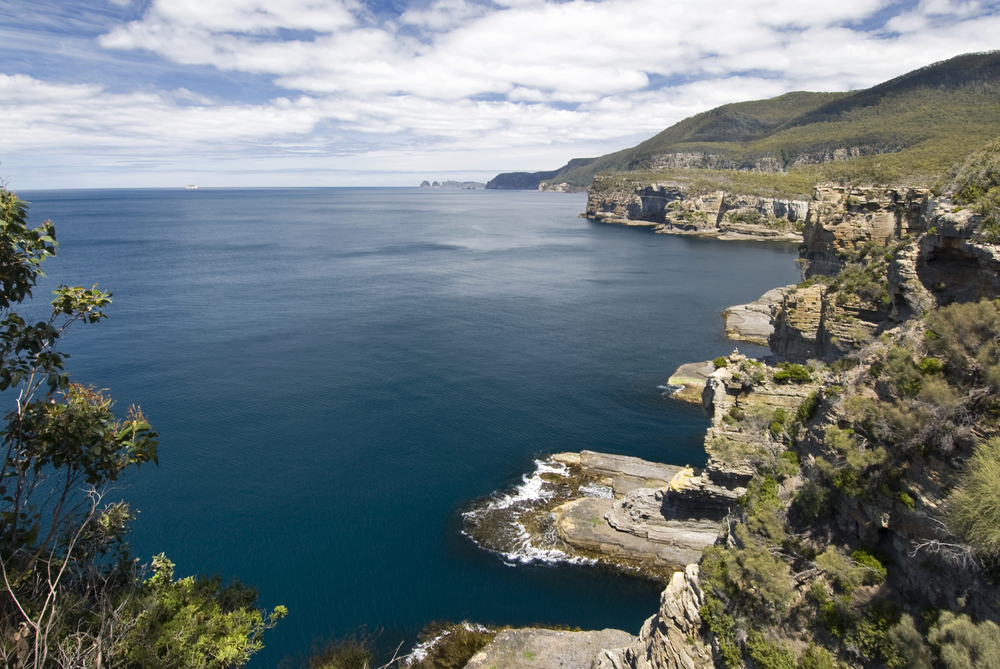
<point>337,373</point>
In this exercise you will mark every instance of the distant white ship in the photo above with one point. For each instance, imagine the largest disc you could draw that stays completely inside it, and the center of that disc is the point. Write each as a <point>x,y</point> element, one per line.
<point>190,187</point>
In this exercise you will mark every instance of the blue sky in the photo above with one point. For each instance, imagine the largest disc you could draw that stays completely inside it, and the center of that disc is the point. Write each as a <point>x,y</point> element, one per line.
<point>151,93</point>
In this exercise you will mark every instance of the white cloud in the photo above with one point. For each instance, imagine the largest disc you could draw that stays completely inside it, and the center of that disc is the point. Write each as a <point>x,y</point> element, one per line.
<point>443,14</point>
<point>452,77</point>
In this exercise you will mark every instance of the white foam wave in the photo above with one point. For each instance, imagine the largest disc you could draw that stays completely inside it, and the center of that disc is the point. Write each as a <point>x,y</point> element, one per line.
<point>532,486</point>
<point>597,490</point>
<point>421,650</point>
<point>526,553</point>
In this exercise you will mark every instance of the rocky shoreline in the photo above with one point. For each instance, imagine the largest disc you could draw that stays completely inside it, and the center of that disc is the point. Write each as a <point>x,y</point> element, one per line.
<point>655,520</point>
<point>625,513</point>
<point>672,208</point>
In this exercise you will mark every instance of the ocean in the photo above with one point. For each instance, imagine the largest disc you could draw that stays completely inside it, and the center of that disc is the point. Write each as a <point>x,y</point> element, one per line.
<point>337,373</point>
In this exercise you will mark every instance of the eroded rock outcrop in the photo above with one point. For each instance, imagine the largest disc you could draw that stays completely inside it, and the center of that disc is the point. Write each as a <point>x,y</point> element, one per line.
<point>809,326</point>
<point>688,382</point>
<point>667,526</point>
<point>631,514</point>
<point>843,219</point>
<point>753,322</point>
<point>673,208</point>
<point>672,638</point>
<point>930,255</point>
<point>736,390</point>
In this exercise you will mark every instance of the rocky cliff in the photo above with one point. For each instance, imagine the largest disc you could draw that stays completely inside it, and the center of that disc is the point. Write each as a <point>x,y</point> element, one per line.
<point>672,638</point>
<point>830,479</point>
<point>906,251</point>
<point>673,208</point>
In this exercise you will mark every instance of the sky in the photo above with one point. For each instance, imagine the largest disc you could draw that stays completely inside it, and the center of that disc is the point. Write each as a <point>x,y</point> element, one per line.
<point>242,93</point>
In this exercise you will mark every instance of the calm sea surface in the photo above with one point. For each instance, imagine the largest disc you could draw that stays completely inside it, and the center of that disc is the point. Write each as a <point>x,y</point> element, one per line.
<point>335,372</point>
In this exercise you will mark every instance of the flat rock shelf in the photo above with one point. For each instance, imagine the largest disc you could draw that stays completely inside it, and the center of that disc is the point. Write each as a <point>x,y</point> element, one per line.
<point>636,516</point>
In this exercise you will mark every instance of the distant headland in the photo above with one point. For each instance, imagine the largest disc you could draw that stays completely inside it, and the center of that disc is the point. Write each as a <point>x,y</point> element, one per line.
<point>467,185</point>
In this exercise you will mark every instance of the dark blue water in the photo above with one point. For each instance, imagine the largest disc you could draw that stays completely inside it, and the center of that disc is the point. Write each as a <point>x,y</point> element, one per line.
<point>335,372</point>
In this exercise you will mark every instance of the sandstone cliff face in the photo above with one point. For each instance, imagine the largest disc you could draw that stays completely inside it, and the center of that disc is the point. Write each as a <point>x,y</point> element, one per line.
<point>844,218</point>
<point>671,208</point>
<point>764,163</point>
<point>808,326</point>
<point>670,639</point>
<point>932,256</point>
<point>753,322</point>
<point>740,386</point>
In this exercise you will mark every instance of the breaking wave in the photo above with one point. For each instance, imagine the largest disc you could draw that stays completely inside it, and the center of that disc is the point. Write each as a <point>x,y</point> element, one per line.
<point>497,523</point>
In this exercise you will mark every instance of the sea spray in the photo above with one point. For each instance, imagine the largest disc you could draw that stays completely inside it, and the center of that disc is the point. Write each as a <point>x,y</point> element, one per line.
<point>519,525</point>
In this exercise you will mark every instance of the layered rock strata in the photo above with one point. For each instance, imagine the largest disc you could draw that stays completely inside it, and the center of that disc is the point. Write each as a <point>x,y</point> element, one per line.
<point>935,259</point>
<point>753,322</point>
<point>688,382</point>
<point>672,637</point>
<point>738,388</point>
<point>671,208</point>
<point>634,515</point>
<point>663,527</point>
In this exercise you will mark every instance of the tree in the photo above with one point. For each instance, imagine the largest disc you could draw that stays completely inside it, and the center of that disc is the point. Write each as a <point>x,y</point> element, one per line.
<point>71,595</point>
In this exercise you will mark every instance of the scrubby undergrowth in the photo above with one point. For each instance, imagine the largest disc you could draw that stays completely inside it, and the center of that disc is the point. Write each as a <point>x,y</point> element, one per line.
<point>908,426</point>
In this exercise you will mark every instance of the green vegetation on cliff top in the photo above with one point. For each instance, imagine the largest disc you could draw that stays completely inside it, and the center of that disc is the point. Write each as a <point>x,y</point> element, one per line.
<point>911,128</point>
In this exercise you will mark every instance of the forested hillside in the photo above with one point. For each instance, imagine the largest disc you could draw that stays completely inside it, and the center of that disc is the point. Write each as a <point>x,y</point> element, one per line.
<point>911,128</point>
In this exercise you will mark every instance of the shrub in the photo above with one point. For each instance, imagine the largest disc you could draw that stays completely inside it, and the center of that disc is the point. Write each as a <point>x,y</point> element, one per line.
<point>843,365</point>
<point>807,410</point>
<point>967,335</point>
<point>975,183</point>
<point>767,654</point>
<point>792,373</point>
<point>834,614</point>
<point>928,366</point>
<point>720,362</point>
<point>815,657</point>
<point>750,574</point>
<point>813,501</point>
<point>866,282</point>
<point>901,372</point>
<point>876,569</point>
<point>907,501</point>
<point>351,652</point>
<point>974,508</point>
<point>871,634</point>
<point>910,645</point>
<point>845,574</point>
<point>964,644</point>
<point>748,217</point>
<point>721,624</point>
<point>792,458</point>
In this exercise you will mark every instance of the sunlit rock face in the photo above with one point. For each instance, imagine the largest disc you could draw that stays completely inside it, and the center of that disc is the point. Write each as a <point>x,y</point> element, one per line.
<point>673,208</point>
<point>672,638</point>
